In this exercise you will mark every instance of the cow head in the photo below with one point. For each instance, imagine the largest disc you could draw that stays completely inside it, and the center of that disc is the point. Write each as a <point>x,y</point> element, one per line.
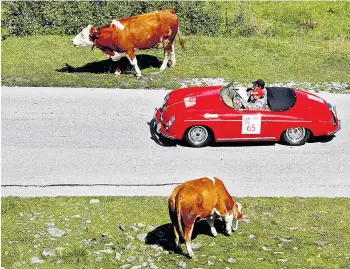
<point>84,37</point>
<point>237,213</point>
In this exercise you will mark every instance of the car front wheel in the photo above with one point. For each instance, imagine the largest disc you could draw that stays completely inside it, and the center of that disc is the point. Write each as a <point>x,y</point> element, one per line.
<point>296,136</point>
<point>198,136</point>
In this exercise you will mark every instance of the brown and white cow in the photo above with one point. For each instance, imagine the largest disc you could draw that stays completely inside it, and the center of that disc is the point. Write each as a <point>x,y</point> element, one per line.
<point>204,198</point>
<point>124,36</point>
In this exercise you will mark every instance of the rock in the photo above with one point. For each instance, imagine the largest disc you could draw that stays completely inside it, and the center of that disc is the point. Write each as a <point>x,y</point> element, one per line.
<point>231,260</point>
<point>36,260</point>
<point>142,237</point>
<point>136,267</point>
<point>282,260</point>
<point>50,224</point>
<point>125,266</point>
<point>55,232</point>
<point>21,214</point>
<point>196,245</point>
<point>121,227</point>
<point>88,221</point>
<point>94,201</point>
<point>107,251</point>
<point>321,243</point>
<point>118,256</point>
<point>211,244</point>
<point>251,236</point>
<point>266,248</point>
<point>129,238</point>
<point>182,264</point>
<point>150,228</point>
<point>36,235</point>
<point>144,264</point>
<point>210,263</point>
<point>141,225</point>
<point>48,252</point>
<point>285,240</point>
<point>295,248</point>
<point>153,266</point>
<point>260,259</point>
<point>278,252</point>
<point>294,228</point>
<point>126,246</point>
<point>130,259</point>
<point>133,228</point>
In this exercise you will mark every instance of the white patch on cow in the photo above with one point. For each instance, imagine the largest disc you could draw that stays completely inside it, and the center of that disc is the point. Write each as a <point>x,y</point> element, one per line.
<point>82,39</point>
<point>215,212</point>
<point>117,56</point>
<point>228,219</point>
<point>133,62</point>
<point>212,179</point>
<point>118,24</point>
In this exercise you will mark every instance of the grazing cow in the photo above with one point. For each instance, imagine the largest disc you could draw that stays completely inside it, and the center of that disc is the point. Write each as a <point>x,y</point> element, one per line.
<point>204,198</point>
<point>150,30</point>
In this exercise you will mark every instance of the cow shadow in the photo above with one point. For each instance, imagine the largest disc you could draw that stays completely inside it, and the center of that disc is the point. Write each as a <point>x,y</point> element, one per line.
<point>109,66</point>
<point>163,235</point>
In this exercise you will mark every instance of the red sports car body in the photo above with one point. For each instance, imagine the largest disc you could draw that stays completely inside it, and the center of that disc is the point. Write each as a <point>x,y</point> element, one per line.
<point>200,115</point>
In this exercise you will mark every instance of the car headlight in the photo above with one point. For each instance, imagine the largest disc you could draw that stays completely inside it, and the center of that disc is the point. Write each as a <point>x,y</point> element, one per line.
<point>170,122</point>
<point>166,99</point>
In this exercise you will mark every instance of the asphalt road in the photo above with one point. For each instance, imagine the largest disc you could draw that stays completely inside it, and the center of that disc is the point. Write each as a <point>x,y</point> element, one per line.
<point>72,141</point>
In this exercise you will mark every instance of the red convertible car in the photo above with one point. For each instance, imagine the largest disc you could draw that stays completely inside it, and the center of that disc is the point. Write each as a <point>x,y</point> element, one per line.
<point>201,115</point>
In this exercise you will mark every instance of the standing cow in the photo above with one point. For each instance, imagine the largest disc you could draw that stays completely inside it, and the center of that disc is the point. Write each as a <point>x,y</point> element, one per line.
<point>204,198</point>
<point>124,36</point>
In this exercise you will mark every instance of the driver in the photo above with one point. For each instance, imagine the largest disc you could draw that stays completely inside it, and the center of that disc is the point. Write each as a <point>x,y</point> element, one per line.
<point>257,100</point>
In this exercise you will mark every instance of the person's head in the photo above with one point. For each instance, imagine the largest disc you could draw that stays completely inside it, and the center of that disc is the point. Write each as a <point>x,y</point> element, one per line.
<point>259,83</point>
<point>257,93</point>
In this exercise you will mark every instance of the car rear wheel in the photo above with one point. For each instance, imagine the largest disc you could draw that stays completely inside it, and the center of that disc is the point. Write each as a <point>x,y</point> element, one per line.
<point>296,136</point>
<point>198,136</point>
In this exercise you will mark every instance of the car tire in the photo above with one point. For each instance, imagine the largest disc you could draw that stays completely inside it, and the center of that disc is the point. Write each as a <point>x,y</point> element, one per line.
<point>198,136</point>
<point>295,136</point>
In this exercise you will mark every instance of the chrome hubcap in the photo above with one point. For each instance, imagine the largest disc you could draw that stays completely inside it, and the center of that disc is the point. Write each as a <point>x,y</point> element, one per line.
<point>197,135</point>
<point>296,134</point>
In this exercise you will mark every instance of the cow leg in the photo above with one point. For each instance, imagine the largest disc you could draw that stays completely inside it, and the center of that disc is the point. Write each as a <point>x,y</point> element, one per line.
<point>172,56</point>
<point>228,219</point>
<point>133,62</point>
<point>165,61</point>
<point>187,236</point>
<point>211,222</point>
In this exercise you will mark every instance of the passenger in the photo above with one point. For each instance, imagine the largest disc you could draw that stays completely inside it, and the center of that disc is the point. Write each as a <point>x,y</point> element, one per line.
<point>257,99</point>
<point>259,83</point>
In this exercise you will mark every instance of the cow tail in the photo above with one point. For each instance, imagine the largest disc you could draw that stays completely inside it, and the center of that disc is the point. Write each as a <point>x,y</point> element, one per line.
<point>178,215</point>
<point>181,39</point>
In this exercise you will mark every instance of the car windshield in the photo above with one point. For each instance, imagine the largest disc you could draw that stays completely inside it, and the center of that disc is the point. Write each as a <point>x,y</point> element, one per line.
<point>227,93</point>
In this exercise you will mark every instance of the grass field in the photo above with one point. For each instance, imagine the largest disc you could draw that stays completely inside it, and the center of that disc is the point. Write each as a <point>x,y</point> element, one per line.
<point>76,233</point>
<point>35,61</point>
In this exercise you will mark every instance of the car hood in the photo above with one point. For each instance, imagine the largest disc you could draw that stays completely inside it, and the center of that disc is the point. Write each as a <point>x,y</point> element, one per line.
<point>195,97</point>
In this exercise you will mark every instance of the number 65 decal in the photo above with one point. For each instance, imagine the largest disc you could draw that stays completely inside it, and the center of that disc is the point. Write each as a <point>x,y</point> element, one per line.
<point>251,124</point>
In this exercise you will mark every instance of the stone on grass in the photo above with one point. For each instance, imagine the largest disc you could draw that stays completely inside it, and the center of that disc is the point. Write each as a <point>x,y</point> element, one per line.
<point>153,266</point>
<point>260,259</point>
<point>295,248</point>
<point>50,224</point>
<point>142,237</point>
<point>130,259</point>
<point>48,252</point>
<point>94,201</point>
<point>118,256</point>
<point>282,260</point>
<point>36,260</point>
<point>121,227</point>
<point>196,245</point>
<point>133,228</point>
<point>55,232</point>
<point>210,263</point>
<point>231,260</point>
<point>251,236</point>
<point>141,225</point>
<point>36,235</point>
<point>136,267</point>
<point>294,228</point>
<point>211,244</point>
<point>125,266</point>
<point>266,248</point>
<point>182,264</point>
<point>278,252</point>
<point>321,243</point>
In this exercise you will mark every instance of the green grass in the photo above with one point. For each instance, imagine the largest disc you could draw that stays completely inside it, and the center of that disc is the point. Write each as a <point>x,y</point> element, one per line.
<point>311,233</point>
<point>33,61</point>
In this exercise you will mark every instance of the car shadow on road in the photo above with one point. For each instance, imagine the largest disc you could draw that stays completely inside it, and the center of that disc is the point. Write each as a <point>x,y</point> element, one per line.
<point>163,235</point>
<point>159,139</point>
<point>109,66</point>
<point>321,139</point>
